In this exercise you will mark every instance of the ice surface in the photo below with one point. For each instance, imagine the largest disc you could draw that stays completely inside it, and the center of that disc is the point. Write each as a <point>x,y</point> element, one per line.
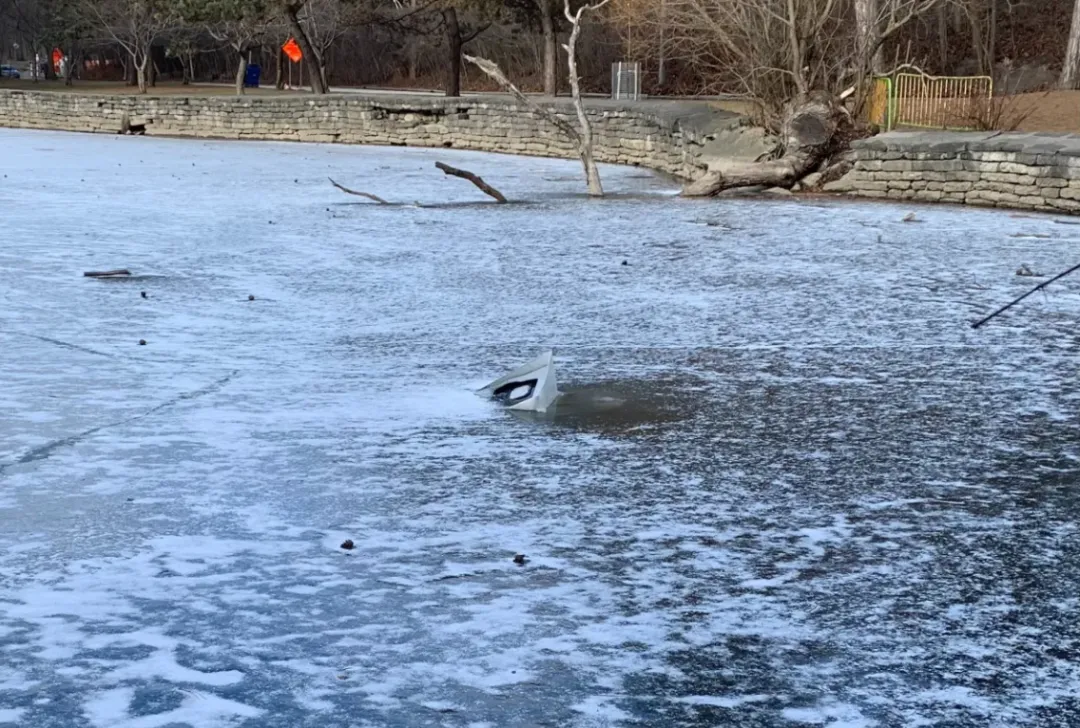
<point>11,715</point>
<point>788,485</point>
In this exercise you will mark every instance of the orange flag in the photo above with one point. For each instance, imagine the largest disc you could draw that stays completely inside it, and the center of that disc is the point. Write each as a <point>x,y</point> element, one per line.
<point>292,50</point>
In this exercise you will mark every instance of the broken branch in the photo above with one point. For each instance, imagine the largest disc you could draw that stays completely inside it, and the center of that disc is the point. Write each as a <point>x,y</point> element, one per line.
<point>1012,303</point>
<point>465,174</point>
<point>495,73</point>
<point>368,195</point>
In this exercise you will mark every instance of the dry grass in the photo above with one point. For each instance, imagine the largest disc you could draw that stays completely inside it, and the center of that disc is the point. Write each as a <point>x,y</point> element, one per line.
<point>1053,111</point>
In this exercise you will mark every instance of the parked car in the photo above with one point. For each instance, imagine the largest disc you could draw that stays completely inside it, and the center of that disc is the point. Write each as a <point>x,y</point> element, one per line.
<point>9,72</point>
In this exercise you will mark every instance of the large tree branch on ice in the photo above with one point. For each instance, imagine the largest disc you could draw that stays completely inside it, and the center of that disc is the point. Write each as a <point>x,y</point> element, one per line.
<point>358,193</point>
<point>475,179</point>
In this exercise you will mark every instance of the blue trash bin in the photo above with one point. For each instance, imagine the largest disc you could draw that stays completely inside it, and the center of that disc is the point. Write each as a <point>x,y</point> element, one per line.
<point>251,77</point>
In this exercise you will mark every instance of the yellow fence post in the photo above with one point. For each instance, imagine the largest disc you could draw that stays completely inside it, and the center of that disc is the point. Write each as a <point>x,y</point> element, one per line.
<point>879,104</point>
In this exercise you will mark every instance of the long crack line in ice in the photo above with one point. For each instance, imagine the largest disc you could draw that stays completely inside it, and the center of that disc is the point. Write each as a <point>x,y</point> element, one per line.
<point>44,451</point>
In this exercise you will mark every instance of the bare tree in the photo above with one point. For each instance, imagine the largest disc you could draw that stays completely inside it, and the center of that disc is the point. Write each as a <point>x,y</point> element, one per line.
<point>291,11</point>
<point>582,137</point>
<point>325,22</point>
<point>982,18</point>
<point>457,37</point>
<point>542,15</point>
<point>239,24</point>
<point>586,146</point>
<point>135,25</point>
<point>772,50</point>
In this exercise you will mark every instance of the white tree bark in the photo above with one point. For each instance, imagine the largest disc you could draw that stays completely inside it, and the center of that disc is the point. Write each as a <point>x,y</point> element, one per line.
<point>1070,69</point>
<point>140,71</point>
<point>241,73</point>
<point>592,174</point>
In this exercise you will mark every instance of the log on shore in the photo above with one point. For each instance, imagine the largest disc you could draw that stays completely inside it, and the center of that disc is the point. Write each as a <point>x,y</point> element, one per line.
<point>812,130</point>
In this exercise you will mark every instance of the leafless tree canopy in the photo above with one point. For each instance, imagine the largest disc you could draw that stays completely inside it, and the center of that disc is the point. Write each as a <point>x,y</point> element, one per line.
<point>773,49</point>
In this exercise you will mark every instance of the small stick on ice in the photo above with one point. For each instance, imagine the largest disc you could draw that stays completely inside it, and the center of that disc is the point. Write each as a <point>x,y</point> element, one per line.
<point>368,195</point>
<point>1012,303</point>
<point>465,174</point>
<point>107,273</point>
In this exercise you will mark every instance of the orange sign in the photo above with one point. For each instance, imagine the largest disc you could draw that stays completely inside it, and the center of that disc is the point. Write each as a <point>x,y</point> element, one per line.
<point>292,50</point>
<point>57,56</point>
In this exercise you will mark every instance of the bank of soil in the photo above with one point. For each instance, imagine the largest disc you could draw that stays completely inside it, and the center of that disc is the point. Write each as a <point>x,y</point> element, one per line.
<point>1051,111</point>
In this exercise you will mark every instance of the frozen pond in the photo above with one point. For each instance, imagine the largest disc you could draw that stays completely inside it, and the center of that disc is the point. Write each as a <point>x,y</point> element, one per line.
<point>792,486</point>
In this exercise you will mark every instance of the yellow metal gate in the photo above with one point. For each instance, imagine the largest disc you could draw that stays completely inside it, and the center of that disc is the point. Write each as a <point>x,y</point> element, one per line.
<point>941,102</point>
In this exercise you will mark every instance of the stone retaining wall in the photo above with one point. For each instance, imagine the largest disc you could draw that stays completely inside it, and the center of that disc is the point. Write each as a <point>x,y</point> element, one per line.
<point>1014,170</point>
<point>670,138</point>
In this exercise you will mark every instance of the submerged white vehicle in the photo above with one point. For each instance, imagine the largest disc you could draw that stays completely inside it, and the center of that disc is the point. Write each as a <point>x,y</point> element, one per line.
<point>530,387</point>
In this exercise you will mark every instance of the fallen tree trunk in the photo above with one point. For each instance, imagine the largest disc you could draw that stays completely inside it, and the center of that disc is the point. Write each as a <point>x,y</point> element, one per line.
<point>813,130</point>
<point>367,195</point>
<point>465,174</point>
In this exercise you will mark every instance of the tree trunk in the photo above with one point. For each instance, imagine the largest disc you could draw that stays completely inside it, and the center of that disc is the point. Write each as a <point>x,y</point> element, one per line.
<point>279,69</point>
<point>661,60</point>
<point>810,130</point>
<point>312,60</point>
<point>241,72</point>
<point>323,73</point>
<point>413,51</point>
<point>551,48</point>
<point>414,59</point>
<point>140,73</point>
<point>977,42</point>
<point>866,35</point>
<point>592,174</point>
<point>798,56</point>
<point>1070,69</point>
<point>943,39</point>
<point>452,86</point>
<point>69,72</point>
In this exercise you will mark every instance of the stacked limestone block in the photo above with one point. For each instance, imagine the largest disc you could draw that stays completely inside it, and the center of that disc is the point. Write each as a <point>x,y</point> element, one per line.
<point>1015,170</point>
<point>623,135</point>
